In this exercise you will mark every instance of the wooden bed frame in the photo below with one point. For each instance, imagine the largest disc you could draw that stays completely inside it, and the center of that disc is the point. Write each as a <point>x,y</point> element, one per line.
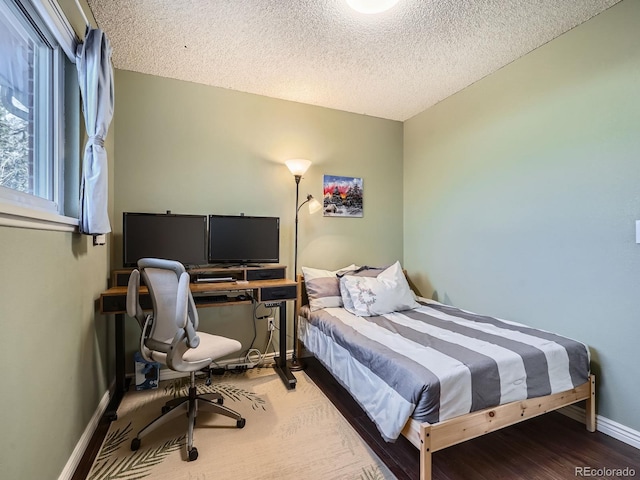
<point>430,438</point>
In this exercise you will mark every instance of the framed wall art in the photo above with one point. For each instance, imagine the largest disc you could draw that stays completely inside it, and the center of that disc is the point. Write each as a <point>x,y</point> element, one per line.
<point>342,196</point>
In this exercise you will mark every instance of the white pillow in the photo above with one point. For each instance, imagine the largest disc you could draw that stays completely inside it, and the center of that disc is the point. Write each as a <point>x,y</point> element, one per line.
<point>386,293</point>
<point>360,272</point>
<point>323,286</point>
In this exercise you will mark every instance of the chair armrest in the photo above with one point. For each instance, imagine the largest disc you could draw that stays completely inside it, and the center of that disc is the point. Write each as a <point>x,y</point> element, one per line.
<point>183,320</point>
<point>133,303</point>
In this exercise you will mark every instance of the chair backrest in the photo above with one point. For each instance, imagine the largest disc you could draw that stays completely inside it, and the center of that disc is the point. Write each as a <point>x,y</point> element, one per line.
<point>171,329</point>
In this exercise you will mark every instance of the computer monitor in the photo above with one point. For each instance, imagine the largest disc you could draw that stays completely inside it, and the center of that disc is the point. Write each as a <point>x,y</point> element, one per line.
<point>170,236</point>
<point>244,240</point>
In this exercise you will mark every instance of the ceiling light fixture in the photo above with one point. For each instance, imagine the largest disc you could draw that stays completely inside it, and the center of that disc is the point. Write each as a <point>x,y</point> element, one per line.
<point>371,6</point>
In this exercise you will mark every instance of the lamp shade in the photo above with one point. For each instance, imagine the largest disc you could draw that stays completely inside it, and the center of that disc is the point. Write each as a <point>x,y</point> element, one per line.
<point>298,166</point>
<point>314,205</point>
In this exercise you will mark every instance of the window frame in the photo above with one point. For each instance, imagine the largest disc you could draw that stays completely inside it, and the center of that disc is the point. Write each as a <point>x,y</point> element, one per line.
<point>18,209</point>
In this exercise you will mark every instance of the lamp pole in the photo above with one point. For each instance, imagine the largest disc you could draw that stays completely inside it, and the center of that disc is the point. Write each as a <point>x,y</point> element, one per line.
<point>295,364</point>
<point>295,255</point>
<point>297,167</point>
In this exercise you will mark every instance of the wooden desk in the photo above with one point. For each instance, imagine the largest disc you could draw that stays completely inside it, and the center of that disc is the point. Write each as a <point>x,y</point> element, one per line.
<point>278,292</point>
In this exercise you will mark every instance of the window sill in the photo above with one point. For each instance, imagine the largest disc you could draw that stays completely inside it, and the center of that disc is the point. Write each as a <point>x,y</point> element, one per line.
<point>20,217</point>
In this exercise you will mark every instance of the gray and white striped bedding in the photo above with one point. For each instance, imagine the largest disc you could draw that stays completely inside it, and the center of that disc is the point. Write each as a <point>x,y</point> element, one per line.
<point>437,362</point>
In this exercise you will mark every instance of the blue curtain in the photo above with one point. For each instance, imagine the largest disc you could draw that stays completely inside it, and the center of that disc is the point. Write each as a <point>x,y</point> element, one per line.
<point>95,75</point>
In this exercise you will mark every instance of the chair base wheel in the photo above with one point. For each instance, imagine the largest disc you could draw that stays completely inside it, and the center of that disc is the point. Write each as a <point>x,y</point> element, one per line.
<point>135,444</point>
<point>193,454</point>
<point>240,423</point>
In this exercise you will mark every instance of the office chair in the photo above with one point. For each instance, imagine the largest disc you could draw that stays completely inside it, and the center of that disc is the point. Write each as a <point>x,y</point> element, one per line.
<point>169,336</point>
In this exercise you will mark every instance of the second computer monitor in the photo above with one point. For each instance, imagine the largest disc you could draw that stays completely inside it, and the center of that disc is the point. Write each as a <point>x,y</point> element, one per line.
<point>244,240</point>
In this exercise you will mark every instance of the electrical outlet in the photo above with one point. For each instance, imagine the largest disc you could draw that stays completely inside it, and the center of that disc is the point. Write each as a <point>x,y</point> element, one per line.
<point>272,325</point>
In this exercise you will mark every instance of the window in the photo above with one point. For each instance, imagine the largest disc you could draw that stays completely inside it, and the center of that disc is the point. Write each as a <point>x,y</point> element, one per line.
<point>38,123</point>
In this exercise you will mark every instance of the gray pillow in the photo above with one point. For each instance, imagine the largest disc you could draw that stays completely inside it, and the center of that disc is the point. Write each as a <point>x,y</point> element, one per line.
<point>323,286</point>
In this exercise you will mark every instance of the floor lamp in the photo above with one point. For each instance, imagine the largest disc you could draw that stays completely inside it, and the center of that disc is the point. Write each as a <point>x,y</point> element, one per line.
<point>298,167</point>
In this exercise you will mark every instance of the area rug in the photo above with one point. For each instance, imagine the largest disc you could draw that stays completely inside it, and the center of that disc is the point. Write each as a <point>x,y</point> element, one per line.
<point>289,434</point>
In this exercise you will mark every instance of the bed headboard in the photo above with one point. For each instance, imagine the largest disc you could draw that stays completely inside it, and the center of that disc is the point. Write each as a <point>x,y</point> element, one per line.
<point>303,298</point>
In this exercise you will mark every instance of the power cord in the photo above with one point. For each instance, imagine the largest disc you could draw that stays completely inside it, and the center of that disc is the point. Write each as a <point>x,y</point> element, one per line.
<point>253,357</point>
<point>255,319</point>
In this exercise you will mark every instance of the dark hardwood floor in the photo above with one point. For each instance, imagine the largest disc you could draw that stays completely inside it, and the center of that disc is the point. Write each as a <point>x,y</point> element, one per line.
<point>82,470</point>
<point>549,447</point>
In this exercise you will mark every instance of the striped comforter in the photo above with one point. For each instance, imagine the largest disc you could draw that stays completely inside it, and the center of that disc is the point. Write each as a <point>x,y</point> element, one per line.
<point>437,362</point>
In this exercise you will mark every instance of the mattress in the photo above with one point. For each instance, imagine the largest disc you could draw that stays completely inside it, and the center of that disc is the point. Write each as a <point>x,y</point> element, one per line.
<point>437,362</point>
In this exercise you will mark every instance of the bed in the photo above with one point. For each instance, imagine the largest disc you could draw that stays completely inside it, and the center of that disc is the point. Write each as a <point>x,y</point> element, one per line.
<point>434,373</point>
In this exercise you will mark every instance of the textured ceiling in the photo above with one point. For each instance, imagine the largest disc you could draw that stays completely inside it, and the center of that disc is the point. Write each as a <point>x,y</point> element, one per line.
<point>391,65</point>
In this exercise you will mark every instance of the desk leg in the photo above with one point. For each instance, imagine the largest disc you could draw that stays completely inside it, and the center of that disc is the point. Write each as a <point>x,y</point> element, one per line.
<point>121,386</point>
<point>281,360</point>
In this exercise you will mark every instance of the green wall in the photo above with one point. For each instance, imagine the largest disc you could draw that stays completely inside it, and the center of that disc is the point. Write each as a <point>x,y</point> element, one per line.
<point>191,148</point>
<point>52,349</point>
<point>522,191</point>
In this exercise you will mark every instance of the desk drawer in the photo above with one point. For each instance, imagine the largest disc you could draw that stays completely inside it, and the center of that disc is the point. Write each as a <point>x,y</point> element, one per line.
<point>120,278</point>
<point>118,303</point>
<point>278,293</point>
<point>266,274</point>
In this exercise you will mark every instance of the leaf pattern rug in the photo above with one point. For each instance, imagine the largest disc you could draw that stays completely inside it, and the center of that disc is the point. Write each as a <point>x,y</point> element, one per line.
<point>289,434</point>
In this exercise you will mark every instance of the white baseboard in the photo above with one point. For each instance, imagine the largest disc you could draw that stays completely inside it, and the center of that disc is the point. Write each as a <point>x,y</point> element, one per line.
<point>76,456</point>
<point>605,425</point>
